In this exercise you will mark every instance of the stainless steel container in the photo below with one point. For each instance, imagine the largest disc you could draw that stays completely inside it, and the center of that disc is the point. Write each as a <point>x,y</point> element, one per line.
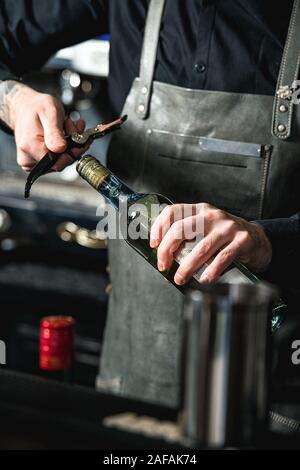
<point>226,354</point>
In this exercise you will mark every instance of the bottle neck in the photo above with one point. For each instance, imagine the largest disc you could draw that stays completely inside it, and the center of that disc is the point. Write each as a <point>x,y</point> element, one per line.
<point>106,183</point>
<point>116,192</point>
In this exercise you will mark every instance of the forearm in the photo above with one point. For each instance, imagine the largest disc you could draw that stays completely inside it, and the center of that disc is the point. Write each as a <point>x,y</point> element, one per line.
<point>284,235</point>
<point>9,89</point>
<point>30,32</point>
<point>38,123</point>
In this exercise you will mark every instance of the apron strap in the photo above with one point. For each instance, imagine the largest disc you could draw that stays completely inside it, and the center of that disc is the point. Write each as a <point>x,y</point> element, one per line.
<point>289,72</point>
<point>148,58</point>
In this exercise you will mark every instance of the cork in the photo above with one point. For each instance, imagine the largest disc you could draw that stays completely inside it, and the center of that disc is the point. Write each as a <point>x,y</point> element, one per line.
<point>91,170</point>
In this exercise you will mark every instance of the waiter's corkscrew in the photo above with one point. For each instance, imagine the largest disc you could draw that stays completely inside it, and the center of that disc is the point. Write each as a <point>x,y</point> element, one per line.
<point>75,140</point>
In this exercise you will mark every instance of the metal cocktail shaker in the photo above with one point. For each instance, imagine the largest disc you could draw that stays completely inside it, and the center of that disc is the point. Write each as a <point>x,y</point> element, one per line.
<point>226,351</point>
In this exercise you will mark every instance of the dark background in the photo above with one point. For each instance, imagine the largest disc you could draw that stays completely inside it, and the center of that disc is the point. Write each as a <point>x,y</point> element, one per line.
<point>41,274</point>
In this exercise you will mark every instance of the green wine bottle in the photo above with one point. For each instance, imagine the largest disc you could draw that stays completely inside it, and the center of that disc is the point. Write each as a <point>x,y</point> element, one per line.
<point>137,210</point>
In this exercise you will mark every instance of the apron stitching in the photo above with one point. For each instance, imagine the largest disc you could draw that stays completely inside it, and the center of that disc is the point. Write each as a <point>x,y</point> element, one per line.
<point>290,34</point>
<point>290,114</point>
<point>177,134</point>
<point>297,68</point>
<point>282,73</point>
<point>264,181</point>
<point>195,91</point>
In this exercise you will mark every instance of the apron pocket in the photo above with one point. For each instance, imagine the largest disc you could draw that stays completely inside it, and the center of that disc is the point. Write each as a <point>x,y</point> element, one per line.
<point>228,174</point>
<point>207,144</point>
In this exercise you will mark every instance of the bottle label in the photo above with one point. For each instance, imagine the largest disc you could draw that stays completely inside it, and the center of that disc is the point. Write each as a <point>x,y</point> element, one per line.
<point>232,276</point>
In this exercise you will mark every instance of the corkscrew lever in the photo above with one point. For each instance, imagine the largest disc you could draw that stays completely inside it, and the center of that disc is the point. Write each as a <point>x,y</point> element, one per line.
<point>75,140</point>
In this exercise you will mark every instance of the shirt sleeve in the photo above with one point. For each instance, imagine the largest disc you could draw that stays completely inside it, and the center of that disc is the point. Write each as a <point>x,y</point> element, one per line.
<point>284,235</point>
<point>32,31</point>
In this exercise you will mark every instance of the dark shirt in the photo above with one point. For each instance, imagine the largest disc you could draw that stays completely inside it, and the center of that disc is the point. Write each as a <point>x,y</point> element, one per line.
<point>225,45</point>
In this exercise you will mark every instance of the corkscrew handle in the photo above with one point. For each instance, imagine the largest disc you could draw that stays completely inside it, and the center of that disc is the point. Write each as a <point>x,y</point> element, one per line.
<point>75,140</point>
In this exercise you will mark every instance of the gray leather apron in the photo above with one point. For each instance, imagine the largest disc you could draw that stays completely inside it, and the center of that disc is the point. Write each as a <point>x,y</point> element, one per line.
<point>239,152</point>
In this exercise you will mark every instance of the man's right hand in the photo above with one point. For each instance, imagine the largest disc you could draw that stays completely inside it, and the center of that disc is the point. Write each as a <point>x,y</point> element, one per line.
<point>38,122</point>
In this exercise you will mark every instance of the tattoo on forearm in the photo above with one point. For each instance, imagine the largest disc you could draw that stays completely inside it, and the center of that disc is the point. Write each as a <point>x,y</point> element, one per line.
<point>8,90</point>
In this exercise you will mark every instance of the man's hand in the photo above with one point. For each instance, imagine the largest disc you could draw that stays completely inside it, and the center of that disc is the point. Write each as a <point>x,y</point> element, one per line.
<point>226,238</point>
<point>38,122</point>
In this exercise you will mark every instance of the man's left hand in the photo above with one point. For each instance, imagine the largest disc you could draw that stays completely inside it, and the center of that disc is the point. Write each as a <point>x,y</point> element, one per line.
<point>226,238</point>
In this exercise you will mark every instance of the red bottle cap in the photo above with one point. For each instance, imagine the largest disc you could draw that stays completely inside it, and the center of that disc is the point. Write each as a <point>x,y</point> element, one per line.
<point>56,343</point>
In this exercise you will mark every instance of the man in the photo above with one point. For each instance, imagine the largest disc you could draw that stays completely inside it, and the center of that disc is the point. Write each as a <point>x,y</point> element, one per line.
<point>215,66</point>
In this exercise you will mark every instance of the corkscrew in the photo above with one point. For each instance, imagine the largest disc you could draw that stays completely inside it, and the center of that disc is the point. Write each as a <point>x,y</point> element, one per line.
<point>75,140</point>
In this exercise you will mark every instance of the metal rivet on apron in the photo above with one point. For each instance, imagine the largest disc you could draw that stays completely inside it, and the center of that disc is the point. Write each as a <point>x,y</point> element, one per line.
<point>144,90</point>
<point>149,131</point>
<point>141,108</point>
<point>283,108</point>
<point>281,128</point>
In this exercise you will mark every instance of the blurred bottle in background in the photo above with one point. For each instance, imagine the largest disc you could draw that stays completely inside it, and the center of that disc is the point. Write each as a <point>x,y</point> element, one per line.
<point>57,347</point>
